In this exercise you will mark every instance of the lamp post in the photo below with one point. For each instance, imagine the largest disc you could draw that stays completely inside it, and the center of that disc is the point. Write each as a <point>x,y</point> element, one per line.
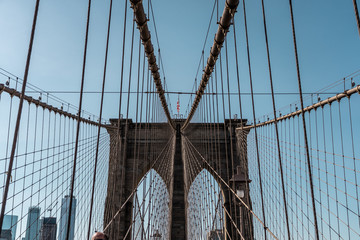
<point>241,181</point>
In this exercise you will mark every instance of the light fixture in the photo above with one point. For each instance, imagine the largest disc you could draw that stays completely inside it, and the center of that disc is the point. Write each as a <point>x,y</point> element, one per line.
<point>240,193</point>
<point>240,181</point>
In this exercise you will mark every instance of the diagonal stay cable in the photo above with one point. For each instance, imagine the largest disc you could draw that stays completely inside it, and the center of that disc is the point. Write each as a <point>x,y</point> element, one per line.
<point>328,101</point>
<point>191,154</point>
<point>31,88</point>
<point>229,188</point>
<point>44,105</point>
<point>135,189</point>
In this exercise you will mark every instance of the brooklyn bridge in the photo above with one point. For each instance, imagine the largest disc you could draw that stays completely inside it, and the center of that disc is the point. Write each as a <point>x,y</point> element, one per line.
<point>244,124</point>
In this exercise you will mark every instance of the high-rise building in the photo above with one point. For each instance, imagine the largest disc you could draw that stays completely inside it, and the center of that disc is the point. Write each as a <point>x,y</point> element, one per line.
<point>10,223</point>
<point>48,228</point>
<point>33,224</point>
<point>6,234</point>
<point>65,205</point>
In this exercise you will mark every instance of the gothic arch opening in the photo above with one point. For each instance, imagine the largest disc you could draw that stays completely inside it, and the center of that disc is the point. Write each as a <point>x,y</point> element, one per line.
<point>151,212</point>
<point>205,215</point>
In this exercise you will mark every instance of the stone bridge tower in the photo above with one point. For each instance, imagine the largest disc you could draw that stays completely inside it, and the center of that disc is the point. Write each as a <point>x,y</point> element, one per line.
<point>125,173</point>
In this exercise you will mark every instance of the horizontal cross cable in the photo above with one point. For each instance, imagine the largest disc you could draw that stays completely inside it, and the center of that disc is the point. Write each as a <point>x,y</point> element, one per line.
<point>224,24</point>
<point>322,103</point>
<point>187,93</point>
<point>141,21</point>
<point>44,105</point>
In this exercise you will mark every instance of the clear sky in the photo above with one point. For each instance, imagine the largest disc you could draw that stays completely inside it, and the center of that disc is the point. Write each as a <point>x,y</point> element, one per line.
<point>328,43</point>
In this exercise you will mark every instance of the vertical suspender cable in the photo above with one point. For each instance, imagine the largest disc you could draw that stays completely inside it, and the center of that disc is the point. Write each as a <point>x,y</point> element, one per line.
<point>241,124</point>
<point>275,120</point>
<point>136,147</point>
<point>141,22</point>
<point>226,143</point>
<point>78,122</point>
<point>224,24</point>
<point>254,115</point>
<point>121,81</point>
<point>118,137</point>
<point>100,116</point>
<point>303,121</point>
<point>17,126</point>
<point>126,121</point>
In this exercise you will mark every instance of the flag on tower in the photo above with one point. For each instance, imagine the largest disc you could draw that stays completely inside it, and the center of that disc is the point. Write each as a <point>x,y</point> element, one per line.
<point>178,105</point>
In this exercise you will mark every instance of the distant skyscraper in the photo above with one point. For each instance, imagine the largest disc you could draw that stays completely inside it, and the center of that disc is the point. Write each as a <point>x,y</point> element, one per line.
<point>33,224</point>
<point>65,204</point>
<point>10,223</point>
<point>48,228</point>
<point>5,234</point>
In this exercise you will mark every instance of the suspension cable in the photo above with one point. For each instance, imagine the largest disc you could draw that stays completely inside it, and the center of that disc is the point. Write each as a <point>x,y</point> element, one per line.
<point>78,123</point>
<point>224,24</point>
<point>254,117</point>
<point>275,120</point>
<point>100,116</point>
<point>320,103</point>
<point>303,121</point>
<point>17,126</point>
<point>229,188</point>
<point>141,21</point>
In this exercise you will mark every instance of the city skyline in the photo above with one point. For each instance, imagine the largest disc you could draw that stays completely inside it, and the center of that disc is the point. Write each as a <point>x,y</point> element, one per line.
<point>269,87</point>
<point>10,223</point>
<point>33,224</point>
<point>48,228</point>
<point>38,225</point>
<point>65,203</point>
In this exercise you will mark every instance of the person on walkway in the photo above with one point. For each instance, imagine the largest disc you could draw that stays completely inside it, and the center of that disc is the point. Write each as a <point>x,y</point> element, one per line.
<point>99,236</point>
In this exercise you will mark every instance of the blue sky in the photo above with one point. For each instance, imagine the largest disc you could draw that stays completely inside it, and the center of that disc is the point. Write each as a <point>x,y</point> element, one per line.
<point>328,44</point>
